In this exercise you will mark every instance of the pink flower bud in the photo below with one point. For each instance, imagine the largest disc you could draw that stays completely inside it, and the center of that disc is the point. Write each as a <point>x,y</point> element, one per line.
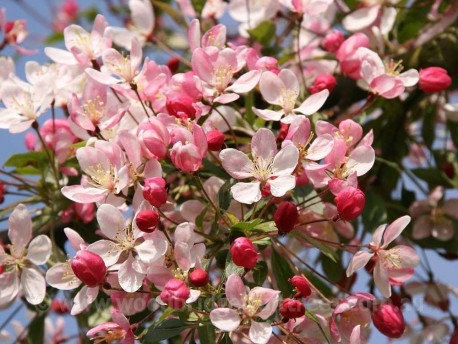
<point>434,79</point>
<point>215,139</point>
<point>59,306</point>
<point>147,220</point>
<point>286,217</point>
<point>186,157</point>
<point>244,253</point>
<point>175,293</point>
<point>181,107</point>
<point>154,191</point>
<point>89,268</point>
<point>302,286</point>
<point>350,203</point>
<point>198,277</point>
<point>30,141</point>
<point>323,82</point>
<point>388,319</point>
<point>333,41</point>
<point>350,62</point>
<point>292,309</point>
<point>154,139</point>
<point>2,268</point>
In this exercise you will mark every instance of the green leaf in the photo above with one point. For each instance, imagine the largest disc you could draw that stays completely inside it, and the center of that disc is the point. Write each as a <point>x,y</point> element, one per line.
<point>374,213</point>
<point>176,15</point>
<point>224,195</point>
<point>226,339</point>
<point>413,19</point>
<point>260,272</point>
<point>429,125</point>
<point>282,272</point>
<point>246,226</point>
<point>26,159</point>
<point>231,268</point>
<point>432,176</point>
<point>198,5</point>
<point>207,334</point>
<point>36,329</point>
<point>166,329</point>
<point>266,227</point>
<point>54,38</point>
<point>263,33</point>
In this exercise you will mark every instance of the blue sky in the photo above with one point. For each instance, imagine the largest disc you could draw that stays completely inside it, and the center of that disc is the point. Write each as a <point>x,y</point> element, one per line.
<point>10,144</point>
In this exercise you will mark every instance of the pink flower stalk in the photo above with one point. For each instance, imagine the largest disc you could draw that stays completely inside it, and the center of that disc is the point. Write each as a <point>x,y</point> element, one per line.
<point>266,166</point>
<point>258,302</point>
<point>382,79</point>
<point>117,331</point>
<point>388,319</point>
<point>434,79</point>
<point>393,266</point>
<point>140,26</point>
<point>20,265</point>
<point>82,47</point>
<point>283,90</point>
<point>244,253</point>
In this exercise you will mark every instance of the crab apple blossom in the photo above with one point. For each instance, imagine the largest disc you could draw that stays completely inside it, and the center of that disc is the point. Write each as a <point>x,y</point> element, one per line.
<point>175,293</point>
<point>154,191</point>
<point>301,285</point>
<point>147,220</point>
<point>14,33</point>
<point>392,266</point>
<point>332,41</point>
<point>89,268</point>
<point>350,203</point>
<point>323,82</point>
<point>118,330</point>
<point>266,166</point>
<point>215,140</point>
<point>258,302</point>
<point>347,55</point>
<point>283,90</point>
<point>434,79</point>
<point>388,319</point>
<point>286,217</point>
<point>369,14</point>
<point>20,262</point>
<point>292,309</point>
<point>244,253</point>
<point>198,277</point>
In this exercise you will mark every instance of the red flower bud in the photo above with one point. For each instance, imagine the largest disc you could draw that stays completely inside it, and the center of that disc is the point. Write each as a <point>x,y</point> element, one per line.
<point>350,203</point>
<point>154,191</point>
<point>292,309</point>
<point>2,193</point>
<point>244,253</point>
<point>89,268</point>
<point>286,217</point>
<point>60,306</point>
<point>302,286</point>
<point>175,293</point>
<point>2,268</point>
<point>454,337</point>
<point>181,107</point>
<point>215,140</point>
<point>323,82</point>
<point>388,319</point>
<point>198,277</point>
<point>333,41</point>
<point>173,63</point>
<point>147,220</point>
<point>434,79</point>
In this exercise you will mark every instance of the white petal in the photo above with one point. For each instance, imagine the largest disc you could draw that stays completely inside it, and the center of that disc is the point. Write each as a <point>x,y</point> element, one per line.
<point>60,56</point>
<point>39,250</point>
<point>225,319</point>
<point>193,296</point>
<point>246,193</point>
<point>129,278</point>
<point>83,299</point>
<point>9,287</point>
<point>320,147</point>
<point>151,250</point>
<point>33,285</point>
<point>285,161</point>
<point>20,229</point>
<point>108,250</point>
<point>111,220</point>
<point>361,18</point>
<point>61,276</point>
<point>268,115</point>
<point>236,163</point>
<point>361,160</point>
<point>281,185</point>
<point>381,279</point>
<point>359,260</point>
<point>260,333</point>
<point>246,82</point>
<point>264,144</point>
<point>313,103</point>
<point>271,87</point>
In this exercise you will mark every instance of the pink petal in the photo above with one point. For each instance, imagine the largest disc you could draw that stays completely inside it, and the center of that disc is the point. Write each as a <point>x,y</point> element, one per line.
<point>320,147</point>
<point>285,161</point>
<point>129,278</point>
<point>281,185</point>
<point>83,299</point>
<point>381,279</point>
<point>194,34</point>
<point>111,221</point>
<point>60,56</point>
<point>61,276</point>
<point>313,103</point>
<point>225,319</point>
<point>395,229</point>
<point>236,163</point>
<point>268,115</point>
<point>361,160</point>
<point>263,144</point>
<point>410,77</point>
<point>271,87</point>
<point>361,18</point>
<point>108,250</point>
<point>235,291</point>
<point>80,194</point>
<point>260,333</point>
<point>246,193</point>
<point>9,285</point>
<point>246,82</point>
<point>226,98</point>
<point>39,250</point>
<point>33,286</point>
<point>20,229</point>
<point>358,261</point>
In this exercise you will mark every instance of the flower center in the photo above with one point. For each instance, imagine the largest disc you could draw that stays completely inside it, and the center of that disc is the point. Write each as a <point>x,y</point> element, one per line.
<point>252,305</point>
<point>94,109</point>
<point>101,177</point>
<point>222,76</point>
<point>288,99</point>
<point>262,168</point>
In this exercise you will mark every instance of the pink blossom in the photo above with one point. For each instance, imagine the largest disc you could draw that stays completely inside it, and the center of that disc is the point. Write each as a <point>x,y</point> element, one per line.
<point>369,14</point>
<point>266,166</point>
<point>119,330</point>
<point>434,79</point>
<point>244,253</point>
<point>350,62</point>
<point>258,302</point>
<point>20,264</point>
<point>66,14</point>
<point>175,293</point>
<point>189,148</point>
<point>393,266</point>
<point>388,319</point>
<point>283,90</point>
<point>15,32</point>
<point>332,41</point>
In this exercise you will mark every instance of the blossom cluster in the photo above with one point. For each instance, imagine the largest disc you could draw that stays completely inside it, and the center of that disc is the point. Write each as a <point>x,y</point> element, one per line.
<point>224,194</point>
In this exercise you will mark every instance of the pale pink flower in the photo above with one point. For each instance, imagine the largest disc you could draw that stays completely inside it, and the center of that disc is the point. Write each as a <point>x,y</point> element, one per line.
<point>309,7</point>
<point>189,148</point>
<point>393,266</point>
<point>283,90</point>
<point>106,174</point>
<point>350,62</point>
<point>266,166</point>
<point>24,103</point>
<point>20,270</point>
<point>118,330</point>
<point>65,15</point>
<point>216,68</point>
<point>258,302</point>
<point>62,277</point>
<point>14,33</point>
<point>214,37</point>
<point>58,137</point>
<point>82,47</point>
<point>126,245</point>
<point>433,217</point>
<point>384,79</point>
<point>350,320</point>
<point>140,27</point>
<point>369,14</point>
<point>97,108</point>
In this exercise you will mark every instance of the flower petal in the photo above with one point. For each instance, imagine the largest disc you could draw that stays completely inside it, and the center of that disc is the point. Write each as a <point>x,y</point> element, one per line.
<point>111,221</point>
<point>83,299</point>
<point>281,185</point>
<point>235,291</point>
<point>129,278</point>
<point>395,229</point>
<point>236,163</point>
<point>359,260</point>
<point>260,333</point>
<point>33,286</point>
<point>381,279</point>
<point>285,161</point>
<point>246,193</point>
<point>20,229</point>
<point>61,276</point>
<point>263,144</point>
<point>313,103</point>
<point>225,319</point>
<point>39,250</point>
<point>271,87</point>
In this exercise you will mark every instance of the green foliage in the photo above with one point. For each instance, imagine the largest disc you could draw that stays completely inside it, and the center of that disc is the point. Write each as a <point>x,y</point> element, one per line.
<point>164,330</point>
<point>282,272</point>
